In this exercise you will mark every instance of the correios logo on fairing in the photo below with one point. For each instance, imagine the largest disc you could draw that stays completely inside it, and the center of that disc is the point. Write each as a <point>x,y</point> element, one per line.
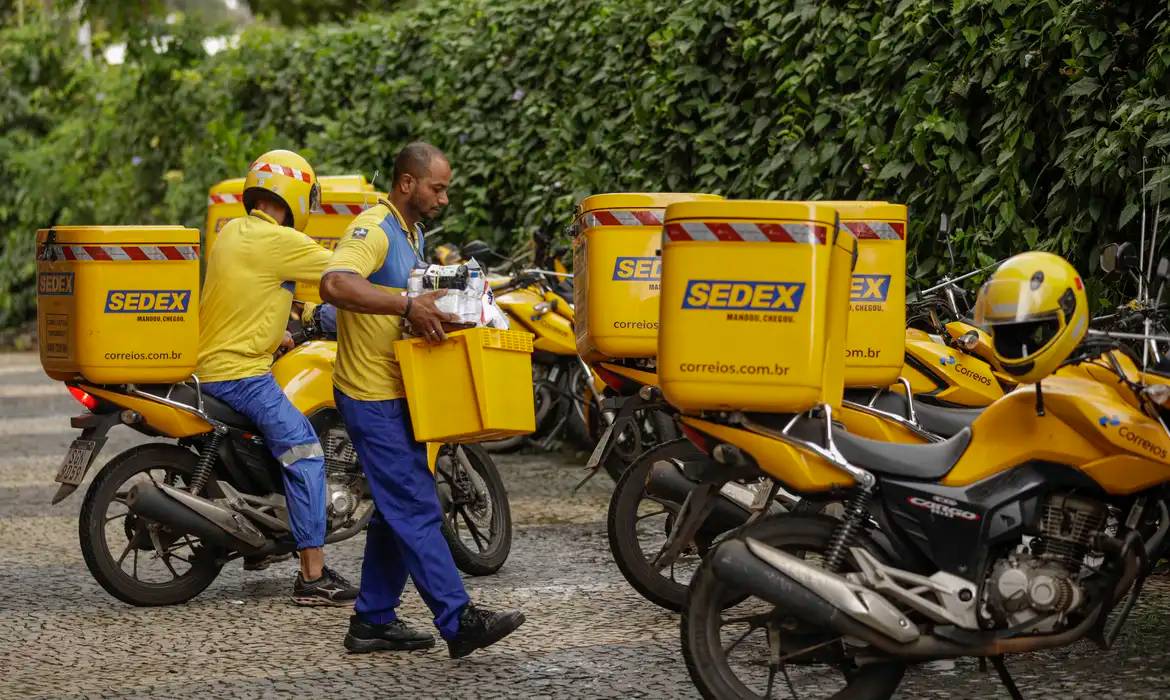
<point>731,295</point>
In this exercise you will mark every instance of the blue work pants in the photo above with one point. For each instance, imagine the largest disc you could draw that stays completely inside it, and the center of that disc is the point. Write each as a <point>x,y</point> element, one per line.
<point>405,535</point>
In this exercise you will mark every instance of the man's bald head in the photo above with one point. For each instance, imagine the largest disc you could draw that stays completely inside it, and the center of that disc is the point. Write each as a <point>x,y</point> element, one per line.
<point>416,160</point>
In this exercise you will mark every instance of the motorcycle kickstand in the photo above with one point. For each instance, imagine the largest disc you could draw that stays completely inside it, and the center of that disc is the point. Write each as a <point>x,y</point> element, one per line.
<point>1005,677</point>
<point>694,511</point>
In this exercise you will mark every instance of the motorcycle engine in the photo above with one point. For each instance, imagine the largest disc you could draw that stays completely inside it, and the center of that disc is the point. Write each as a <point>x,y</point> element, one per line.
<point>343,475</point>
<point>1041,586</point>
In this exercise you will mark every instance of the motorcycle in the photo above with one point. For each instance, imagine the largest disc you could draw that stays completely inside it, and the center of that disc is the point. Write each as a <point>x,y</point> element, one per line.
<point>1025,532</point>
<point>988,543</point>
<point>187,508</point>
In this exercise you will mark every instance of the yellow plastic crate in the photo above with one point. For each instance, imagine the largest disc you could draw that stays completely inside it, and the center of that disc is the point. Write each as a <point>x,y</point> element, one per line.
<point>616,267</point>
<point>474,386</point>
<point>342,198</point>
<point>118,304</point>
<point>876,339</point>
<point>754,305</point>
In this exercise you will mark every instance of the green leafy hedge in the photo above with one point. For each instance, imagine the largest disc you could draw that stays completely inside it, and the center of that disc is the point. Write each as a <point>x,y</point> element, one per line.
<point>1029,121</point>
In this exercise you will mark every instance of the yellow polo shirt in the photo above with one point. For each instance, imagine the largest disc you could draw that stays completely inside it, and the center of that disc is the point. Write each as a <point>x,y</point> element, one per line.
<point>379,246</point>
<point>248,292</point>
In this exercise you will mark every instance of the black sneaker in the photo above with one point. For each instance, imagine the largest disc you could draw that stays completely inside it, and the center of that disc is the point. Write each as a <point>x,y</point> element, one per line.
<point>364,637</point>
<point>330,589</point>
<point>479,628</point>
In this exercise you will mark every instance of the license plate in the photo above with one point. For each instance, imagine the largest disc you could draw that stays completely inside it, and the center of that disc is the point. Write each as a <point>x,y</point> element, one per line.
<point>595,458</point>
<point>76,462</point>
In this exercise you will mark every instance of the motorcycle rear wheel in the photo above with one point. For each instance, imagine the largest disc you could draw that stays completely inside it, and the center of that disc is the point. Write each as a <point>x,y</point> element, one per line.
<point>190,564</point>
<point>477,519</point>
<point>635,538</point>
<point>707,615</point>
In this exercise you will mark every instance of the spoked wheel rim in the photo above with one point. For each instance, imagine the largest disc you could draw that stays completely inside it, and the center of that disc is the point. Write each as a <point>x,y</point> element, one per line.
<point>142,550</point>
<point>653,523</point>
<point>739,646</point>
<point>768,654</point>
<point>467,504</point>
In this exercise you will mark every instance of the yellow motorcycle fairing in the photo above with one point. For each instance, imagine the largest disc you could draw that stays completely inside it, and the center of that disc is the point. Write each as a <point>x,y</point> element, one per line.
<point>982,349</point>
<point>875,427</point>
<point>795,468</point>
<point>956,378</point>
<point>1087,425</point>
<point>166,420</point>
<point>305,373</point>
<point>554,332</point>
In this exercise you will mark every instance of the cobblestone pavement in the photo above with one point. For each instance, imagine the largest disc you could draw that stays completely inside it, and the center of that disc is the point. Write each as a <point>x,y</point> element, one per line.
<point>588,634</point>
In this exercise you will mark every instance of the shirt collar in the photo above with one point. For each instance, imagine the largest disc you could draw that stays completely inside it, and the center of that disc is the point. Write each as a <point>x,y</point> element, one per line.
<point>412,233</point>
<point>263,216</point>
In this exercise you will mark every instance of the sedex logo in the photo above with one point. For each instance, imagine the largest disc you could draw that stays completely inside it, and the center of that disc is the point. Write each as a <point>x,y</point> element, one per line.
<point>55,284</point>
<point>781,297</point>
<point>147,301</point>
<point>637,269</point>
<point>871,288</point>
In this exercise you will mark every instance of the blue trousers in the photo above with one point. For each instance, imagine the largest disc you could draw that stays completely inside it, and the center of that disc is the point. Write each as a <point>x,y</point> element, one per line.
<point>291,440</point>
<point>405,534</point>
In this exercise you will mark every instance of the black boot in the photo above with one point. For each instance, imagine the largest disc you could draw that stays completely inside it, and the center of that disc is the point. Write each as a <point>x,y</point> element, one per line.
<point>364,637</point>
<point>479,628</point>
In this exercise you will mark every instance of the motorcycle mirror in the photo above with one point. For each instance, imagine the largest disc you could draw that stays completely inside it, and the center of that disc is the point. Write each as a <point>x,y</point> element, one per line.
<point>1108,261</point>
<point>1163,271</point>
<point>1127,257</point>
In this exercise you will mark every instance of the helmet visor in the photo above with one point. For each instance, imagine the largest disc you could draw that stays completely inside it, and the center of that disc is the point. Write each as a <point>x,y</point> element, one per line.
<point>1011,301</point>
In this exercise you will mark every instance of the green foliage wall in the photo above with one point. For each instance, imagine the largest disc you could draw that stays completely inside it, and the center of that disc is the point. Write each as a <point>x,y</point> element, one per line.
<point>1028,121</point>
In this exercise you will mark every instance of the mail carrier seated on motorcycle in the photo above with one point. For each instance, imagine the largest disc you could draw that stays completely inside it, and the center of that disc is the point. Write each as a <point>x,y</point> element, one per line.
<point>245,304</point>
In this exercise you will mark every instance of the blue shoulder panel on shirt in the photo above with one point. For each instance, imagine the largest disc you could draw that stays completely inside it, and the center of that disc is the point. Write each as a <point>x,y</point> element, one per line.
<point>401,256</point>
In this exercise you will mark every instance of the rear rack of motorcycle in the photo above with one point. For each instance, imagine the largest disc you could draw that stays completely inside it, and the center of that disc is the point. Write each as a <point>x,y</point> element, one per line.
<point>197,409</point>
<point>909,421</point>
<point>827,451</point>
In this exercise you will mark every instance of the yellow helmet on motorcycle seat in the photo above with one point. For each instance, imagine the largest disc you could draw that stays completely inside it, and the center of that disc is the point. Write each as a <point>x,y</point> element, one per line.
<point>1035,309</point>
<point>289,178</point>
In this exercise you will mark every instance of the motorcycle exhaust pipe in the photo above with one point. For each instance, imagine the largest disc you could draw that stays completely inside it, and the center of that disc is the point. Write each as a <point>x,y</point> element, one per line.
<point>828,601</point>
<point>667,482</point>
<point>185,513</point>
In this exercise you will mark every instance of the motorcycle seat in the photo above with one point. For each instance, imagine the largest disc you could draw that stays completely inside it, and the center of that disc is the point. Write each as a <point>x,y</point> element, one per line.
<point>928,462</point>
<point>212,406</point>
<point>939,420</point>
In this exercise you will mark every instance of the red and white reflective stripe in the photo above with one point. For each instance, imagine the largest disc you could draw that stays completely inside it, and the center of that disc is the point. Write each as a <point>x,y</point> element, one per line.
<point>343,209</point>
<point>745,231</point>
<point>883,230</point>
<point>623,217</point>
<point>281,170</point>
<point>224,199</point>
<point>126,252</point>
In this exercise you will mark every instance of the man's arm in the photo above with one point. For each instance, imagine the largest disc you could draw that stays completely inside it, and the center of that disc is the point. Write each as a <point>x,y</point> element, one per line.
<point>301,259</point>
<point>352,292</point>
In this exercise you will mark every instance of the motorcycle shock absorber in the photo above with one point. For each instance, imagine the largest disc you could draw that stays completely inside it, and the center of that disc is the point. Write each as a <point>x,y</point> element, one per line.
<point>207,459</point>
<point>856,511</point>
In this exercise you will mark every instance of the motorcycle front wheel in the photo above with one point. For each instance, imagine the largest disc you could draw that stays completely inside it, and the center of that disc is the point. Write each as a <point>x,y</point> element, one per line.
<point>477,519</point>
<point>752,649</point>
<point>137,560</point>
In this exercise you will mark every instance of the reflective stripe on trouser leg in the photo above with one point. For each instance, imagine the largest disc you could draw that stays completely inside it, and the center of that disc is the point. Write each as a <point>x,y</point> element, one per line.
<point>406,535</point>
<point>287,432</point>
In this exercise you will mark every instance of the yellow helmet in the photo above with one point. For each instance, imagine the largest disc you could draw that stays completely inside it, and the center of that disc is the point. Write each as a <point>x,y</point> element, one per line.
<point>289,177</point>
<point>1035,309</point>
